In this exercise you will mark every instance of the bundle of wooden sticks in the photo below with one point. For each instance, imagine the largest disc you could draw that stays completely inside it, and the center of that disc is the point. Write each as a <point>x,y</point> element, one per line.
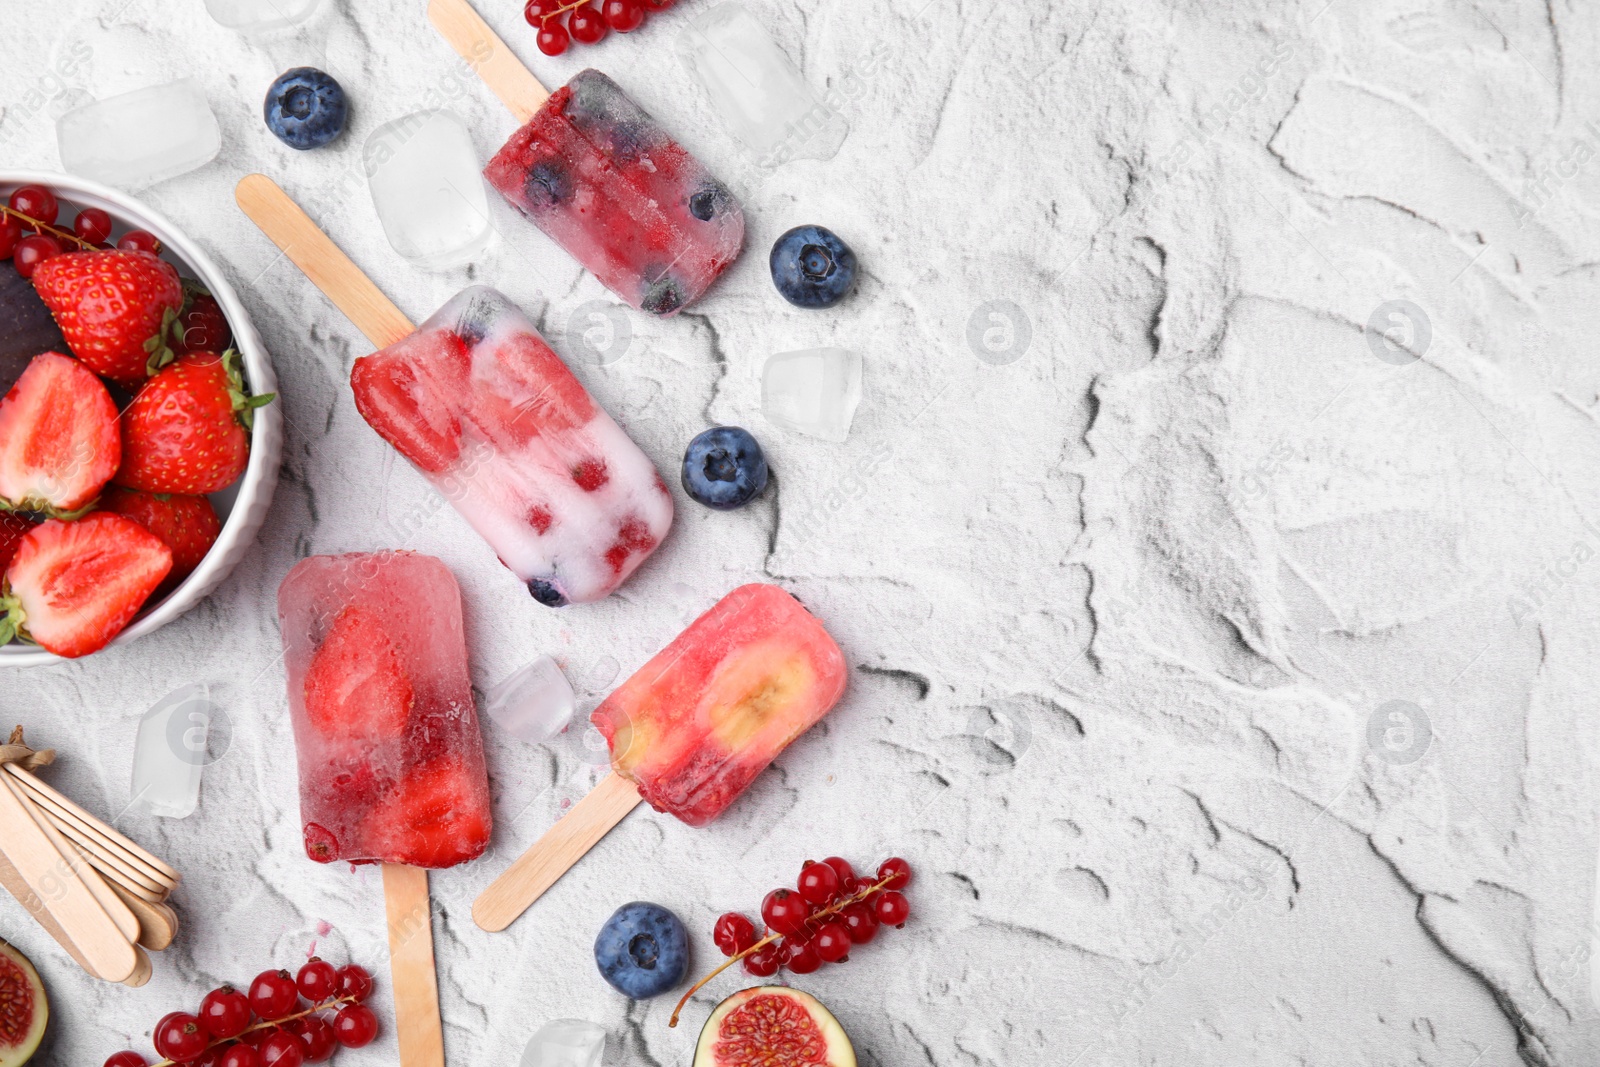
<point>100,895</point>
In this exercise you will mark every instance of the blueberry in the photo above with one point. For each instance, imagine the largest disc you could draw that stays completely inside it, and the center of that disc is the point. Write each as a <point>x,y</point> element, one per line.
<point>812,268</point>
<point>305,108</point>
<point>642,950</point>
<point>662,296</point>
<point>547,594</point>
<point>547,184</point>
<point>724,468</point>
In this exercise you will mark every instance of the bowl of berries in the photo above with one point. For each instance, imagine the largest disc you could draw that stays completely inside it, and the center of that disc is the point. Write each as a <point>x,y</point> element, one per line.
<point>139,437</point>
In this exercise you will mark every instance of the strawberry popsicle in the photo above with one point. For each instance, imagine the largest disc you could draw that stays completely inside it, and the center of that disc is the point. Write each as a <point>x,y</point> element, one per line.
<point>479,403</point>
<point>391,758</point>
<point>690,731</point>
<point>603,180</point>
<point>694,726</point>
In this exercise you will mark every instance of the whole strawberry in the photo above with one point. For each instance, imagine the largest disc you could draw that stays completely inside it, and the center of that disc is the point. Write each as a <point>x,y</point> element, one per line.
<point>113,307</point>
<point>186,431</point>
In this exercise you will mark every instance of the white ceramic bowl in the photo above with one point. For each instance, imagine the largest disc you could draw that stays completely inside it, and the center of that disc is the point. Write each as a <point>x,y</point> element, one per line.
<point>241,507</point>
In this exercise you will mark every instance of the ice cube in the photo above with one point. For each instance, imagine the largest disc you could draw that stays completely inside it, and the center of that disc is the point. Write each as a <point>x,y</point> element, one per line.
<point>142,137</point>
<point>170,753</point>
<point>259,16</point>
<point>566,1043</point>
<point>812,392</point>
<point>759,94</point>
<point>26,326</point>
<point>423,172</point>
<point>535,703</point>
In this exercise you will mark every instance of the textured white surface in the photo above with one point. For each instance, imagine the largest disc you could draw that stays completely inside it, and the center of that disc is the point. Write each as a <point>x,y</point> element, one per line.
<point>1123,605</point>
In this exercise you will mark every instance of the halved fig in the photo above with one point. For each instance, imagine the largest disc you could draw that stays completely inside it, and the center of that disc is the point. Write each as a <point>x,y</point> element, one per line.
<point>773,1026</point>
<point>24,1009</point>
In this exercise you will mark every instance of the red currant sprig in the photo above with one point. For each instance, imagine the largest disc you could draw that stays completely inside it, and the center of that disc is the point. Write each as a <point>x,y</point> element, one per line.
<point>586,21</point>
<point>816,923</point>
<point>29,234</point>
<point>268,1026</point>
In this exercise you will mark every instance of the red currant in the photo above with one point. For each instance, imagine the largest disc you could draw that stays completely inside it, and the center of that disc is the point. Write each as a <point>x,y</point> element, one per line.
<point>240,1056</point>
<point>897,870</point>
<point>354,982</point>
<point>139,241</point>
<point>211,1057</point>
<point>819,883</point>
<point>832,942</point>
<point>318,980</point>
<point>126,1059</point>
<point>355,1026</point>
<point>273,995</point>
<point>92,224</point>
<point>282,1049</point>
<point>785,911</point>
<point>34,250</point>
<point>317,1033</point>
<point>764,961</point>
<point>587,25</point>
<point>733,933</point>
<point>848,882</point>
<point>659,5</point>
<point>800,955</point>
<point>10,234</point>
<point>225,1012</point>
<point>622,15</point>
<point>860,923</point>
<point>536,10</point>
<point>253,1038</point>
<point>36,202</point>
<point>553,38</point>
<point>892,909</point>
<point>179,1036</point>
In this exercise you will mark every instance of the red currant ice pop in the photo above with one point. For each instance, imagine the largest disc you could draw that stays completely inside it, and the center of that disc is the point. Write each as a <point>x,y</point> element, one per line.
<point>391,758</point>
<point>484,409</point>
<point>601,178</point>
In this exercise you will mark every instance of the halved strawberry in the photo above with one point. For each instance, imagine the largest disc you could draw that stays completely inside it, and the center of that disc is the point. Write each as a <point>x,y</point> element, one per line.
<point>186,524</point>
<point>109,305</point>
<point>411,392</point>
<point>186,430</point>
<point>59,441</point>
<point>439,817</point>
<point>13,528</point>
<point>356,687</point>
<point>73,586</point>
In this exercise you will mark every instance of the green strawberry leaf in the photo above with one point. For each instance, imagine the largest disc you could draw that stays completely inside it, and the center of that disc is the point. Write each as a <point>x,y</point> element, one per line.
<point>11,622</point>
<point>160,352</point>
<point>244,405</point>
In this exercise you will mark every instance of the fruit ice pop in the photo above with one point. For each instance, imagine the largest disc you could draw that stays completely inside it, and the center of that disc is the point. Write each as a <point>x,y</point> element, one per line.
<point>603,180</point>
<point>391,758</point>
<point>479,403</point>
<point>693,727</point>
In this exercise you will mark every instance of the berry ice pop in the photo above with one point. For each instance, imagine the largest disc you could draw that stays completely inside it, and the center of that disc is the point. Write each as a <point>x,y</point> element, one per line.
<point>693,727</point>
<point>603,180</point>
<point>479,403</point>
<point>391,758</point>
<point>690,730</point>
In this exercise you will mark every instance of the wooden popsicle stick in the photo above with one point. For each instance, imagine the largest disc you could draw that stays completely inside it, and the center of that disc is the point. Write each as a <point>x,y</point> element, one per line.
<point>53,881</point>
<point>158,924</point>
<point>162,872</point>
<point>118,912</point>
<point>103,854</point>
<point>26,897</point>
<point>418,1027</point>
<point>142,969</point>
<point>460,24</point>
<point>554,854</point>
<point>303,241</point>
